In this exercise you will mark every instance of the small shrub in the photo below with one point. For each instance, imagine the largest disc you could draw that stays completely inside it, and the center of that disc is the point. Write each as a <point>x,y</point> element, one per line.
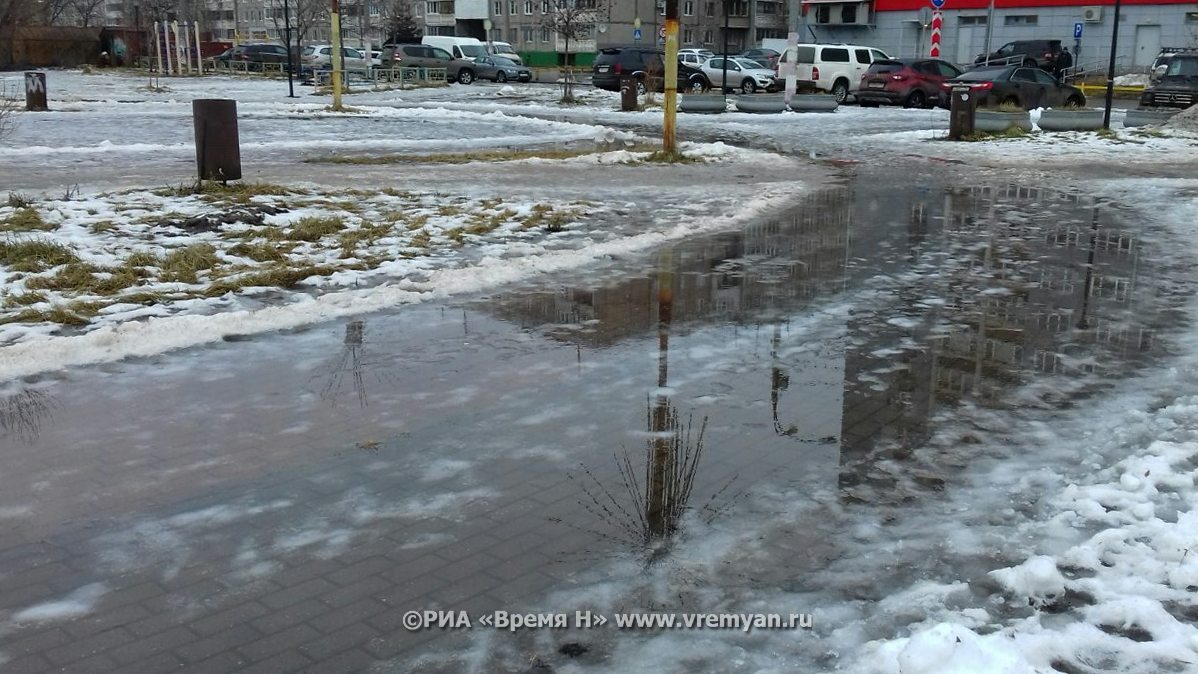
<point>17,200</point>
<point>26,220</point>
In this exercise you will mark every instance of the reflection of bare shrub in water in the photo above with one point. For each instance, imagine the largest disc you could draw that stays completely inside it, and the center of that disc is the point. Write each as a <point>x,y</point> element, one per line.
<point>645,511</point>
<point>351,363</point>
<point>22,414</point>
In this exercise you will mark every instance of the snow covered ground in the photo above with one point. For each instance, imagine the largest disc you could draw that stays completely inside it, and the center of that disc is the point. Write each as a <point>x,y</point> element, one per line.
<point>1050,531</point>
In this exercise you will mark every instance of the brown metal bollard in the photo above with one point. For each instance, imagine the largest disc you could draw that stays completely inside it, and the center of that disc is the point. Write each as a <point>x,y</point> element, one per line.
<point>35,92</point>
<point>627,94</point>
<point>218,149</point>
<point>963,104</point>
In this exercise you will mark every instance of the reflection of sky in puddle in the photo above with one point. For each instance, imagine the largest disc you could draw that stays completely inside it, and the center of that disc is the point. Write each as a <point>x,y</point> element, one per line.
<point>817,352</point>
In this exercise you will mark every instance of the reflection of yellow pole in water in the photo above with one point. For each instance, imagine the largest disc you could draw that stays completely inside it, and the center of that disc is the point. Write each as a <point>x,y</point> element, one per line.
<point>661,466</point>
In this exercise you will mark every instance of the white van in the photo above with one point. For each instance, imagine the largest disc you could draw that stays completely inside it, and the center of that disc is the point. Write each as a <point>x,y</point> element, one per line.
<point>834,68</point>
<point>505,50</point>
<point>468,48</point>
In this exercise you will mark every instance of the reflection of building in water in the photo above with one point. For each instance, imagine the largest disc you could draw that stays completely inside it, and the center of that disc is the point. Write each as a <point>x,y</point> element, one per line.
<point>1034,282</point>
<point>733,277</point>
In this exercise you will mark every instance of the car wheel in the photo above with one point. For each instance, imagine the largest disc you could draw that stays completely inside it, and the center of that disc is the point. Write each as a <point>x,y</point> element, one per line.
<point>698,86</point>
<point>1074,102</point>
<point>501,77</point>
<point>466,77</point>
<point>916,99</point>
<point>641,90</point>
<point>748,87</point>
<point>840,90</point>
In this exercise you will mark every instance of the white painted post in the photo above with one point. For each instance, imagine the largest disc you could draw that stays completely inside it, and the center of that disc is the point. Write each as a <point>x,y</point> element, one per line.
<point>178,48</point>
<point>158,46</point>
<point>166,47</point>
<point>199,54</point>
<point>186,42</point>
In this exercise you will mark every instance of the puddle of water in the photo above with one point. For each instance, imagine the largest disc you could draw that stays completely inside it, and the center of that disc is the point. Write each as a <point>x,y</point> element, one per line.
<point>484,456</point>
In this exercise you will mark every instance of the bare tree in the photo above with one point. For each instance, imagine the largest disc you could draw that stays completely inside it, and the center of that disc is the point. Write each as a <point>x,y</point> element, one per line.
<point>8,106</point>
<point>87,11</point>
<point>572,20</point>
<point>305,14</point>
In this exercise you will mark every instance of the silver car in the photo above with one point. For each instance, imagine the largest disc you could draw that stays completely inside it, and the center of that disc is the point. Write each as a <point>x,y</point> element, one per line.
<point>743,74</point>
<point>499,69</point>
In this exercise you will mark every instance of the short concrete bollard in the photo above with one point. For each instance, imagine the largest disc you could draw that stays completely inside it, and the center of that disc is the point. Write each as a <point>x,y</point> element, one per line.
<point>218,149</point>
<point>962,113</point>
<point>35,92</point>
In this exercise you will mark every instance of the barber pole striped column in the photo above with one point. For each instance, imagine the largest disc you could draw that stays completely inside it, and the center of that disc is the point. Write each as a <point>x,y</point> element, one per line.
<point>937,22</point>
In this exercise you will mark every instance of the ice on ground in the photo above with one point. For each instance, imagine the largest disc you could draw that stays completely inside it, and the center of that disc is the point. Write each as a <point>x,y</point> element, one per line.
<point>952,649</point>
<point>76,604</point>
<point>1132,80</point>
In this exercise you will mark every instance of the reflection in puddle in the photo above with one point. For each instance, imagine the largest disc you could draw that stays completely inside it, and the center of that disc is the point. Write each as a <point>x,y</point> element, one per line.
<point>23,413</point>
<point>347,370</point>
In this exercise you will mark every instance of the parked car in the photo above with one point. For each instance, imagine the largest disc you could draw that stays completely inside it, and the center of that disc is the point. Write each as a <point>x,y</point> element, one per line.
<point>768,58</point>
<point>1027,88</point>
<point>424,56</point>
<point>504,50</point>
<point>498,69</point>
<point>1161,63</point>
<point>643,65</point>
<point>254,55</point>
<point>832,68</point>
<point>1178,85</point>
<point>1048,55</point>
<point>912,83</point>
<point>320,57</point>
<point>745,75</point>
<point>694,57</point>
<point>468,48</point>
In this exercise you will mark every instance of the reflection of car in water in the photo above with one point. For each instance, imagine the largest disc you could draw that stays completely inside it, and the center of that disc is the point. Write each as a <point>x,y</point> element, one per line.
<point>1178,85</point>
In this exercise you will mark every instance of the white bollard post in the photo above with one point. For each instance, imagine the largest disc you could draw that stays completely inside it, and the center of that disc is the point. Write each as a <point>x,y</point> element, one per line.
<point>178,48</point>
<point>186,42</point>
<point>199,55</point>
<point>158,47</point>
<point>166,47</point>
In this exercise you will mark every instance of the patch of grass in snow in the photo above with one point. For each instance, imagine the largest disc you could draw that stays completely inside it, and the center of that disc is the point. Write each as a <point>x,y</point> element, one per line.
<point>35,255</point>
<point>82,278</point>
<point>142,258</point>
<point>183,264</point>
<point>75,313</point>
<point>456,157</point>
<point>420,239</point>
<point>448,210</point>
<point>101,226</point>
<point>544,215</point>
<point>23,299</point>
<point>979,136</point>
<point>18,200</point>
<point>278,276</point>
<point>663,157</point>
<point>26,220</point>
<point>261,252</point>
<point>456,235</point>
<point>240,192</point>
<point>482,223</point>
<point>351,239</point>
<point>312,228</point>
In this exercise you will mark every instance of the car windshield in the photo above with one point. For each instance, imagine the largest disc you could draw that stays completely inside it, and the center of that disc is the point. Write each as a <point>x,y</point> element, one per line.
<point>503,49</point>
<point>308,51</point>
<point>885,67</point>
<point>1182,67</point>
<point>473,50</point>
<point>984,75</point>
<point>500,61</point>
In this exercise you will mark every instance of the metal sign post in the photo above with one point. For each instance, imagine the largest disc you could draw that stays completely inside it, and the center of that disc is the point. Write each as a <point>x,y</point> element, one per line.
<point>937,24</point>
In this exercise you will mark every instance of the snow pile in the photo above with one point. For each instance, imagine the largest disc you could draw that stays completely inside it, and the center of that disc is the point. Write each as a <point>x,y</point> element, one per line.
<point>1132,80</point>
<point>1036,580</point>
<point>952,649</point>
<point>76,604</point>
<point>1186,120</point>
<point>506,91</point>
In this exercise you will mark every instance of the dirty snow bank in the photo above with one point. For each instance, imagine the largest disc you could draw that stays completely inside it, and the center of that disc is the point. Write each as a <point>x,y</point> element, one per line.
<point>1186,120</point>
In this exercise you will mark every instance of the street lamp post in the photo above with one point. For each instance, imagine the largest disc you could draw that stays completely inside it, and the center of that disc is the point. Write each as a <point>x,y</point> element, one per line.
<point>1110,71</point>
<point>287,37</point>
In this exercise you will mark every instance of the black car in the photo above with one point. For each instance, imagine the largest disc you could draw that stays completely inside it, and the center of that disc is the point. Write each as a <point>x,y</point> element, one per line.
<point>1027,88</point>
<point>254,55</point>
<point>645,66</point>
<point>1047,55</point>
<point>1177,87</point>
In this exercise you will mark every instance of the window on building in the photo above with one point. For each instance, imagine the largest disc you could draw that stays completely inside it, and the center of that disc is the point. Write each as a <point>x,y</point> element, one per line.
<point>688,36</point>
<point>498,8</point>
<point>527,7</point>
<point>767,7</point>
<point>848,13</point>
<point>528,34</point>
<point>1191,17</point>
<point>544,6</point>
<point>710,9</point>
<point>417,8</point>
<point>513,35</point>
<point>738,8</point>
<point>544,34</point>
<point>971,20</point>
<point>707,37</point>
<point>496,34</point>
<point>430,8</point>
<point>688,8</point>
<point>512,7</point>
<point>823,14</point>
<point>1021,20</point>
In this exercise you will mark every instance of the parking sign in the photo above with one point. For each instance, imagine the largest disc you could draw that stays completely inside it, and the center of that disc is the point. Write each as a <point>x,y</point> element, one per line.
<point>1077,31</point>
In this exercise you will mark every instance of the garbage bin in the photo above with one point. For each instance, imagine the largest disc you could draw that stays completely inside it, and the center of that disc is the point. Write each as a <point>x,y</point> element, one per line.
<point>963,104</point>
<point>627,94</point>
<point>218,150</point>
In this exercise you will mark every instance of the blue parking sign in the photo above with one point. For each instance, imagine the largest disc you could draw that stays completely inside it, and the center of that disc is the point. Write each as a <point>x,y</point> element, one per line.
<point>636,34</point>
<point>1077,31</point>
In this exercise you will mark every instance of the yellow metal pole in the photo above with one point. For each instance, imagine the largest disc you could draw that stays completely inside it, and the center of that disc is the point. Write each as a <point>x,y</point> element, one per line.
<point>669,140</point>
<point>335,29</point>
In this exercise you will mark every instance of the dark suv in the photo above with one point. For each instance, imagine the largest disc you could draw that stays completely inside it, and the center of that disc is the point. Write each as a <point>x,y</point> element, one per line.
<point>642,65</point>
<point>1046,55</point>
<point>255,55</point>
<point>1177,87</point>
<point>425,56</point>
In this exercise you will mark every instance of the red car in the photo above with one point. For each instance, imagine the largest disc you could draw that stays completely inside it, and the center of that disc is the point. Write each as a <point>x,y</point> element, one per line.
<point>913,83</point>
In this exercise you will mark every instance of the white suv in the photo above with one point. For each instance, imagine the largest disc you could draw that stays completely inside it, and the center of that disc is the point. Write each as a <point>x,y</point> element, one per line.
<point>834,68</point>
